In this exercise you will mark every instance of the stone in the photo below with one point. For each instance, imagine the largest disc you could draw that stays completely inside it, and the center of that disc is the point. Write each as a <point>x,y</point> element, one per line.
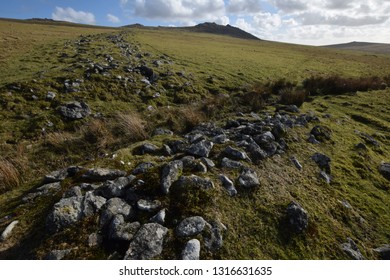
<point>146,148</point>
<point>200,149</point>
<point>213,239</point>
<point>142,168</point>
<point>102,174</point>
<point>235,154</point>
<point>190,226</point>
<point>94,239</point>
<point>56,255</point>
<point>115,188</point>
<point>193,165</point>
<point>384,169</point>
<point>46,189</point>
<point>256,153</point>
<point>232,124</point>
<point>8,231</point>
<point>208,162</point>
<point>50,95</point>
<point>147,242</point>
<point>383,252</point>
<point>121,230</point>
<point>92,204</point>
<point>75,110</point>
<point>56,176</point>
<point>113,207</point>
<point>191,251</point>
<point>74,191</point>
<point>352,250</point>
<point>195,182</point>
<point>279,131</point>
<point>322,161</point>
<point>162,131</point>
<point>178,146</point>
<point>321,133</point>
<point>148,73</point>
<point>298,218</point>
<point>169,173</point>
<point>296,163</point>
<point>147,205</point>
<point>159,217</point>
<point>248,179</point>
<point>231,164</point>
<point>312,139</point>
<point>220,139</point>
<point>265,138</point>
<point>228,185</point>
<point>325,177</point>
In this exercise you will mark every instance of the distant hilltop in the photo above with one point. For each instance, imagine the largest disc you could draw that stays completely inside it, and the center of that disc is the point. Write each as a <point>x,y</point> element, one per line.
<point>209,27</point>
<point>363,46</point>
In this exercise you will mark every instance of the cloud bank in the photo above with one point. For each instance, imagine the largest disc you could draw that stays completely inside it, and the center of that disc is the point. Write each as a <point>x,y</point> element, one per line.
<point>69,14</point>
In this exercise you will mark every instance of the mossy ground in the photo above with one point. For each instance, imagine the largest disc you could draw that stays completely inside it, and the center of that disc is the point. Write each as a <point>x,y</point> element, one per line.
<point>202,82</point>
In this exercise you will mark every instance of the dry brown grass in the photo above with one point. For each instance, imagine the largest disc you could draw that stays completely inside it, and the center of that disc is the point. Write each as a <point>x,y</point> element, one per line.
<point>130,126</point>
<point>9,176</point>
<point>292,96</point>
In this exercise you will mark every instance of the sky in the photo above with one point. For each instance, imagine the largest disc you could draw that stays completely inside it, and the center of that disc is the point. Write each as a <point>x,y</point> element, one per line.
<point>315,22</point>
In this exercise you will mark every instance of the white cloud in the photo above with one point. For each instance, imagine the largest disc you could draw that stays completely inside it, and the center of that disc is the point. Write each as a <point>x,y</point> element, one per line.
<point>112,18</point>
<point>224,20</point>
<point>71,15</point>
<point>242,7</point>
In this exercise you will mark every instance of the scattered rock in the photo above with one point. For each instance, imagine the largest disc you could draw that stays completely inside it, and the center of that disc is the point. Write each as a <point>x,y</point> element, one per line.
<point>279,131</point>
<point>50,95</point>
<point>159,217</point>
<point>75,110</point>
<point>8,230</point>
<point>235,154</point>
<point>231,164</point>
<point>103,174</point>
<point>321,133</point>
<point>256,153</point>
<point>120,230</point>
<point>92,204</point>
<point>228,185</point>
<point>142,168</point>
<point>169,173</point>
<point>208,162</point>
<point>352,250</point>
<point>162,131</point>
<point>146,148</point>
<point>147,205</point>
<point>115,188</point>
<point>322,161</point>
<point>56,255</point>
<point>361,146</point>
<point>74,191</point>
<point>296,163</point>
<point>190,226</point>
<point>325,177</point>
<point>195,182</point>
<point>94,239</point>
<point>201,148</point>
<point>297,217</point>
<point>191,251</point>
<point>313,140</point>
<point>65,213</point>
<point>62,174</point>
<point>113,207</point>
<point>46,189</point>
<point>383,251</point>
<point>248,179</point>
<point>384,169</point>
<point>213,239</point>
<point>147,243</point>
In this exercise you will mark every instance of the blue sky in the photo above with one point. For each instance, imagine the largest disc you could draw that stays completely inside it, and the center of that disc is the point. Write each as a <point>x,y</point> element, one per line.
<point>315,22</point>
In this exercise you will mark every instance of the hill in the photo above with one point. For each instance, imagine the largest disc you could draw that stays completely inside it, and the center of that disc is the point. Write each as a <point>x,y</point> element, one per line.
<point>363,47</point>
<point>240,149</point>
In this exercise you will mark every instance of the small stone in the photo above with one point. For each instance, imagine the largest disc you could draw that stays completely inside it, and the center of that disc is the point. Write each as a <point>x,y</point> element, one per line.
<point>194,181</point>
<point>231,164</point>
<point>142,168</point>
<point>235,154</point>
<point>312,139</point>
<point>75,110</point>
<point>228,185</point>
<point>94,239</point>
<point>162,131</point>
<point>321,133</point>
<point>383,252</point>
<point>103,174</point>
<point>325,177</point>
<point>146,148</point>
<point>50,95</point>
<point>208,162</point>
<point>248,179</point>
<point>322,161</point>
<point>113,207</point>
<point>169,173</point>
<point>352,250</point>
<point>297,217</point>
<point>190,226</point>
<point>296,163</point>
<point>57,254</point>
<point>191,251</point>
<point>147,205</point>
<point>200,149</point>
<point>120,230</point>
<point>384,169</point>
<point>159,217</point>
<point>8,230</point>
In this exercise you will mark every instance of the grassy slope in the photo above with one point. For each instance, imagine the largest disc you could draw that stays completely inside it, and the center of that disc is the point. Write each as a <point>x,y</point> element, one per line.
<point>253,219</point>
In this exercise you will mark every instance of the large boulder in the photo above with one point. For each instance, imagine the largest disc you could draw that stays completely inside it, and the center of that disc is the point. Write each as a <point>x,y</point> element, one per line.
<point>298,218</point>
<point>190,226</point>
<point>170,173</point>
<point>74,110</point>
<point>147,242</point>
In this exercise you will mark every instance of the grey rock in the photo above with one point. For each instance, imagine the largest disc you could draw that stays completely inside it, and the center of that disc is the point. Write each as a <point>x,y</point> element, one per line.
<point>92,204</point>
<point>178,146</point>
<point>191,251</point>
<point>193,165</point>
<point>74,191</point>
<point>296,163</point>
<point>8,231</point>
<point>56,176</point>
<point>361,146</point>
<point>115,188</point>
<point>208,162</point>
<point>166,151</point>
<point>220,139</point>
<point>162,131</point>
<point>383,252</point>
<point>297,217</point>
<point>312,139</point>
<point>142,168</point>
<point>146,148</point>
<point>256,153</point>
<point>228,185</point>
<point>194,137</point>
<point>213,239</point>
<point>149,206</point>
<point>56,255</point>
<point>235,154</point>
<point>121,230</point>
<point>384,169</point>
<point>322,161</point>
<point>65,213</point>
<point>321,133</point>
<point>265,138</point>
<point>75,110</point>
<point>52,187</point>
<point>113,207</point>
<point>50,95</point>
<point>169,173</point>
<point>159,217</point>
<point>94,239</point>
<point>327,178</point>
<point>231,164</point>
<point>147,243</point>
<point>194,181</point>
<point>248,179</point>
<point>190,226</point>
<point>103,174</point>
<point>352,250</point>
<point>279,131</point>
<point>201,148</point>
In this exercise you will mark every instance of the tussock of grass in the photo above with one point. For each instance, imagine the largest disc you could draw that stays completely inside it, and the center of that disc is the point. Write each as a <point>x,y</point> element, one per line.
<point>9,176</point>
<point>130,126</point>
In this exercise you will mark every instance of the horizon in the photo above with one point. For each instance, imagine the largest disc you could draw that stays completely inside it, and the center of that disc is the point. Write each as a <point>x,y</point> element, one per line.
<point>317,22</point>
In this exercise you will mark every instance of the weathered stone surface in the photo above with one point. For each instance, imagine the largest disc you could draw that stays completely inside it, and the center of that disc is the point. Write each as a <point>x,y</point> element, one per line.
<point>213,239</point>
<point>248,179</point>
<point>169,173</point>
<point>313,140</point>
<point>146,148</point>
<point>384,169</point>
<point>296,163</point>
<point>191,251</point>
<point>200,149</point>
<point>279,131</point>
<point>121,230</point>
<point>65,213</point>
<point>113,207</point>
<point>74,191</point>
<point>297,217</point>
<point>56,176</point>
<point>256,153</point>
<point>115,188</point>
<point>92,204</point>
<point>193,165</point>
<point>75,110</point>
<point>51,95</point>
<point>324,176</point>
<point>208,162</point>
<point>51,187</point>
<point>56,255</point>
<point>142,168</point>
<point>383,252</point>
<point>194,181</point>
<point>147,243</point>
<point>8,231</point>
<point>322,161</point>
<point>103,174</point>
<point>321,133</point>
<point>94,239</point>
<point>352,250</point>
<point>231,164</point>
<point>159,217</point>
<point>235,154</point>
<point>162,131</point>
<point>190,226</point>
<point>228,185</point>
<point>147,205</point>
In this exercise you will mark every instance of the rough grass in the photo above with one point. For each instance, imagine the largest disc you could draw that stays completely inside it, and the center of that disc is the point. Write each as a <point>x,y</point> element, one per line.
<point>9,176</point>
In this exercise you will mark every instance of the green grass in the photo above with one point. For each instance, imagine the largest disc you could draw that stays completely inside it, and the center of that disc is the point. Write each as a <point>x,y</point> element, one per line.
<point>207,79</point>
